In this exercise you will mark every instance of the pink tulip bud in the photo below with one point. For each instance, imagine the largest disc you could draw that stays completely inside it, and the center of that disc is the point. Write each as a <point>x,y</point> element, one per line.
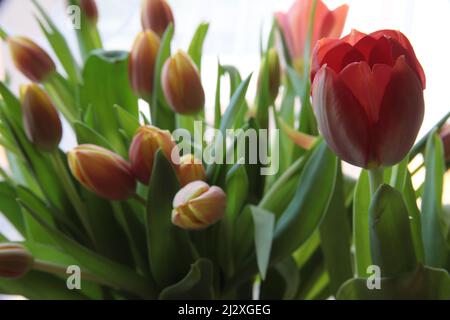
<point>31,59</point>
<point>198,206</point>
<point>191,169</point>
<point>142,62</point>
<point>89,8</point>
<point>40,118</point>
<point>145,143</point>
<point>182,84</point>
<point>102,172</point>
<point>15,261</point>
<point>156,16</point>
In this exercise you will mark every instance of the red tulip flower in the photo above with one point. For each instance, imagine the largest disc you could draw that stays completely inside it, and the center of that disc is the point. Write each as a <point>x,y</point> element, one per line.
<point>368,96</point>
<point>295,24</point>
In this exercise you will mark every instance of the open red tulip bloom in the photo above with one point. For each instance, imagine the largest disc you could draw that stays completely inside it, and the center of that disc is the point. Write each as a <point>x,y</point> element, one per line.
<point>295,24</point>
<point>368,96</point>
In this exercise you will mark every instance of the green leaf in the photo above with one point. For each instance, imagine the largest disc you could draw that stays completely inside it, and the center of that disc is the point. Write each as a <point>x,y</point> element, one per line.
<point>162,116</point>
<point>424,283</point>
<point>264,226</point>
<point>106,84</point>
<point>361,239</point>
<point>59,44</point>
<point>309,205</point>
<point>390,235</point>
<point>196,46</point>
<point>12,106</point>
<point>86,135</point>
<point>436,249</point>
<point>111,272</point>
<point>282,281</point>
<point>197,285</point>
<point>10,208</point>
<point>335,238</point>
<point>128,122</point>
<point>168,245</point>
<point>236,189</point>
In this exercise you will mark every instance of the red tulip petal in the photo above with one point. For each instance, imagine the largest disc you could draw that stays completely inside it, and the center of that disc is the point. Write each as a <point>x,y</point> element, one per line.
<point>353,37</point>
<point>406,44</point>
<point>283,22</point>
<point>342,120</point>
<point>340,56</point>
<point>320,50</point>
<point>334,22</point>
<point>367,85</point>
<point>401,114</point>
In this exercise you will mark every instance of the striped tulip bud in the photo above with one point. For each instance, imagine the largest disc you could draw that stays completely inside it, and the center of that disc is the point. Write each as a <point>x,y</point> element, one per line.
<point>146,142</point>
<point>274,74</point>
<point>182,85</point>
<point>15,261</point>
<point>445,136</point>
<point>89,7</point>
<point>31,59</point>
<point>40,118</point>
<point>102,172</point>
<point>191,169</point>
<point>142,62</point>
<point>156,16</point>
<point>198,206</point>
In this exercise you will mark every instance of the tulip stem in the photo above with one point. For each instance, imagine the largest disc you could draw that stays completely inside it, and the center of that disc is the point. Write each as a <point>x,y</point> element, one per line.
<point>3,34</point>
<point>139,199</point>
<point>73,195</point>
<point>376,177</point>
<point>48,267</point>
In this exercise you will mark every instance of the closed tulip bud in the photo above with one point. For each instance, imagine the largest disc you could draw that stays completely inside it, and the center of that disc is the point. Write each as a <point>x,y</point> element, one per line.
<point>40,118</point>
<point>198,206</point>
<point>274,74</point>
<point>142,62</point>
<point>156,16</point>
<point>102,172</point>
<point>182,84</point>
<point>445,136</point>
<point>31,59</point>
<point>89,7</point>
<point>145,143</point>
<point>15,261</point>
<point>368,96</point>
<point>191,169</point>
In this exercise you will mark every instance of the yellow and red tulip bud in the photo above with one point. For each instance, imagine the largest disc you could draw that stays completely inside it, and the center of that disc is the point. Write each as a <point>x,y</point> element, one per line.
<point>146,142</point>
<point>274,73</point>
<point>15,261</point>
<point>445,136</point>
<point>89,7</point>
<point>156,16</point>
<point>191,169</point>
<point>40,118</point>
<point>198,206</point>
<point>142,62</point>
<point>102,171</point>
<point>182,84</point>
<point>31,59</point>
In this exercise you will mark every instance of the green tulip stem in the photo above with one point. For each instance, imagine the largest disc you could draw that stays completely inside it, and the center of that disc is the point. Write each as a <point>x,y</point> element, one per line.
<point>376,177</point>
<point>3,34</point>
<point>49,267</point>
<point>139,199</point>
<point>72,193</point>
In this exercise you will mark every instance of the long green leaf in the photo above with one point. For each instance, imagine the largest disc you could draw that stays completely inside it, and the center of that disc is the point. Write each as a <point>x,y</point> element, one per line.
<point>196,46</point>
<point>264,226</point>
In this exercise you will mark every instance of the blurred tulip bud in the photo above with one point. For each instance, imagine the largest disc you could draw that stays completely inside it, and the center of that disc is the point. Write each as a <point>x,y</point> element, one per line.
<point>191,169</point>
<point>31,59</point>
<point>142,62</point>
<point>15,261</point>
<point>182,84</point>
<point>89,7</point>
<point>198,206</point>
<point>445,136</point>
<point>156,16</point>
<point>40,118</point>
<point>274,74</point>
<point>145,143</point>
<point>102,172</point>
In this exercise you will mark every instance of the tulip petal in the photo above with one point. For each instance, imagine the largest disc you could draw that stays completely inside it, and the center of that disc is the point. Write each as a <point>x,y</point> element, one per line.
<point>354,37</point>
<point>367,85</point>
<point>342,120</point>
<point>340,56</point>
<point>334,22</point>
<point>401,114</point>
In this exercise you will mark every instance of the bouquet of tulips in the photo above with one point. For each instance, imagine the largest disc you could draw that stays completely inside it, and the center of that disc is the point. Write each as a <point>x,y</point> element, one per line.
<point>149,206</point>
